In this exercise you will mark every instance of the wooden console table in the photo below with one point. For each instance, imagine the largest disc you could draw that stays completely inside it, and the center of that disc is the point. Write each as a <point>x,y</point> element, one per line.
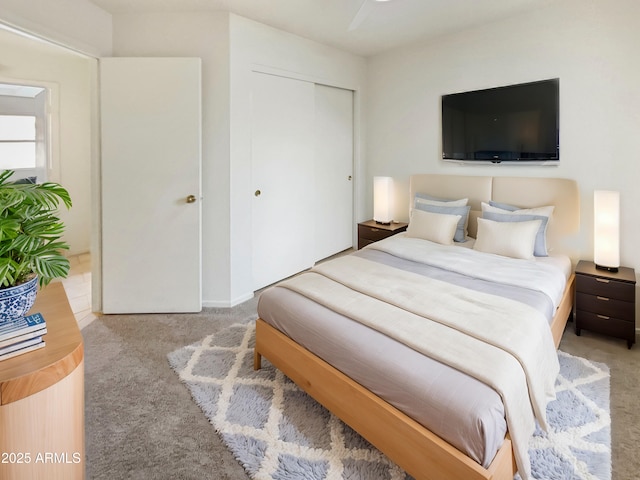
<point>42,399</point>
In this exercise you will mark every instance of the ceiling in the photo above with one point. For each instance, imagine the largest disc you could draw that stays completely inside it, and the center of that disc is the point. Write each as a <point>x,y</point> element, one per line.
<point>364,27</point>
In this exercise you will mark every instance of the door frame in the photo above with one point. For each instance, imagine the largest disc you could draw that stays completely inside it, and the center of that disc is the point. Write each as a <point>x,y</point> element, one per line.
<point>92,56</point>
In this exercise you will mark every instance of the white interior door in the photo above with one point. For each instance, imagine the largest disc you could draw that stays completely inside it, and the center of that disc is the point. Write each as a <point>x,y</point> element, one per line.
<point>282,177</point>
<point>150,173</point>
<point>333,170</point>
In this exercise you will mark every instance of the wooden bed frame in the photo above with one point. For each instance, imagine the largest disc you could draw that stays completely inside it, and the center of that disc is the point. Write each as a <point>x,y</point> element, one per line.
<point>410,445</point>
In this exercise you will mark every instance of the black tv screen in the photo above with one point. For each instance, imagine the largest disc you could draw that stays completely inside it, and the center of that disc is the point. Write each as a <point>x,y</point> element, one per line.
<point>517,123</point>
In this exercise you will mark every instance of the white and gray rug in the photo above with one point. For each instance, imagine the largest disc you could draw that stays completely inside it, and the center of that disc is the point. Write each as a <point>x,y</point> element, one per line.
<point>277,432</point>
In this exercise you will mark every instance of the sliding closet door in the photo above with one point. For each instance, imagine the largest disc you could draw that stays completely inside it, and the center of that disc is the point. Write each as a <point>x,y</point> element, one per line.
<point>282,175</point>
<point>302,168</point>
<point>333,161</point>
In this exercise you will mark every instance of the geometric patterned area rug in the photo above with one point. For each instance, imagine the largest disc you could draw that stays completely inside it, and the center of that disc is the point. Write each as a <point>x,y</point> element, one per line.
<point>277,432</point>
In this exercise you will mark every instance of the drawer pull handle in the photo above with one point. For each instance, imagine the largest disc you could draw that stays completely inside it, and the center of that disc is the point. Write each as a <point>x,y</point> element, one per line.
<point>603,298</point>
<point>602,280</point>
<point>604,317</point>
<point>375,229</point>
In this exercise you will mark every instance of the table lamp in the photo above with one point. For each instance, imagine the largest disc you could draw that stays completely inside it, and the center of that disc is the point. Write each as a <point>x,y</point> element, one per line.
<point>606,235</point>
<point>382,200</point>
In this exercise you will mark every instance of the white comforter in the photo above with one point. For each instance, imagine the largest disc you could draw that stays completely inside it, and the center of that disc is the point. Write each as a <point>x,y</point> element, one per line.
<point>530,274</point>
<point>501,342</point>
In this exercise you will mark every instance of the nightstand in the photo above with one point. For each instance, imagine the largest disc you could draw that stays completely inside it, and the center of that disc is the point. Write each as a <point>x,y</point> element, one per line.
<point>370,231</point>
<point>605,302</point>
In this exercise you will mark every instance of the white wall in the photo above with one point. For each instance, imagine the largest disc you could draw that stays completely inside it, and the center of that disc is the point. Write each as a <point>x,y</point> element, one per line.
<point>77,24</point>
<point>229,47</point>
<point>590,45</point>
<point>70,76</point>
<point>257,46</point>
<point>204,35</point>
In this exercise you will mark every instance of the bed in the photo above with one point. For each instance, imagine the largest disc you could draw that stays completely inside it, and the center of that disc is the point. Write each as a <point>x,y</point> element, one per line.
<point>416,416</point>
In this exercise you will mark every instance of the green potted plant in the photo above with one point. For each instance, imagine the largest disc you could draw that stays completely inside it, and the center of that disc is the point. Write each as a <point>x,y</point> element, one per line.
<point>31,251</point>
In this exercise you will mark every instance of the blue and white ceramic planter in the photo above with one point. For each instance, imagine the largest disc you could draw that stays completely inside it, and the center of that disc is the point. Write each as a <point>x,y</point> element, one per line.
<point>16,301</point>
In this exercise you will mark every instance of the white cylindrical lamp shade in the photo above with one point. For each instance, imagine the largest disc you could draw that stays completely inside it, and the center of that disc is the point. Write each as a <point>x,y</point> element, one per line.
<point>383,199</point>
<point>606,235</point>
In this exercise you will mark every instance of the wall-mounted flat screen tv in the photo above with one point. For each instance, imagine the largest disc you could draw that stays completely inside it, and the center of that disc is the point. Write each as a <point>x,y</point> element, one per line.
<point>512,124</point>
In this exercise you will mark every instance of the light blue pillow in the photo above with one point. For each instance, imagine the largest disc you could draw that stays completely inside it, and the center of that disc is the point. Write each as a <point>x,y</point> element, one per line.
<point>460,235</point>
<point>503,206</point>
<point>423,198</point>
<point>540,248</point>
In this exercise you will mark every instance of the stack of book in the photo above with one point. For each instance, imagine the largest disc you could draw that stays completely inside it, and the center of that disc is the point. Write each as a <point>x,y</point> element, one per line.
<point>22,335</point>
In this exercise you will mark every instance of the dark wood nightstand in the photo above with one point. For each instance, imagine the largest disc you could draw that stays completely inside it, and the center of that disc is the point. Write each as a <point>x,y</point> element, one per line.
<point>605,302</point>
<point>370,231</point>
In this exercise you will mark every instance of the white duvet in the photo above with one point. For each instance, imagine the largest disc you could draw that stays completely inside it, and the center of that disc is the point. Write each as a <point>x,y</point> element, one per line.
<point>546,277</point>
<point>501,342</point>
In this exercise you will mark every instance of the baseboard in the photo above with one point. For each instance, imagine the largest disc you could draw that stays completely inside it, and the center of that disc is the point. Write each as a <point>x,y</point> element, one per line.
<point>227,304</point>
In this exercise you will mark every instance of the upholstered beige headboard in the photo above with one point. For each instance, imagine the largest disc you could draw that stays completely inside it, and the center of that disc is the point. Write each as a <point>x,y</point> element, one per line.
<point>525,192</point>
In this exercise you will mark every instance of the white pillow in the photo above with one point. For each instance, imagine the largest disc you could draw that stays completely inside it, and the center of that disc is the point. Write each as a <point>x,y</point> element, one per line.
<point>509,239</point>
<point>436,227</point>
<point>509,213</point>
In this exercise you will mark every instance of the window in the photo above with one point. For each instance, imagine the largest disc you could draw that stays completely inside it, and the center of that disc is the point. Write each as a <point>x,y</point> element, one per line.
<point>17,142</point>
<point>24,130</point>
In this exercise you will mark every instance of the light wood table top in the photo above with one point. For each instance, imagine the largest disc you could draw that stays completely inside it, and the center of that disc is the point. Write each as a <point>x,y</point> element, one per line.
<point>32,372</point>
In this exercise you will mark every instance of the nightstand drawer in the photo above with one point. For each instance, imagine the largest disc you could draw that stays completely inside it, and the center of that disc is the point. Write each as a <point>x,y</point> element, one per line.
<point>609,307</point>
<point>373,233</point>
<point>606,288</point>
<point>363,242</point>
<point>607,325</point>
<point>370,232</point>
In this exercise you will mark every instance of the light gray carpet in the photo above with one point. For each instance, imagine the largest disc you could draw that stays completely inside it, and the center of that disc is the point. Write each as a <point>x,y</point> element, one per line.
<point>142,423</point>
<point>278,432</point>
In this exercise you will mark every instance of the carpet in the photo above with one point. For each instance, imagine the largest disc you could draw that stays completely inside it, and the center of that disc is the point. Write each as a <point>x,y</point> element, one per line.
<point>277,432</point>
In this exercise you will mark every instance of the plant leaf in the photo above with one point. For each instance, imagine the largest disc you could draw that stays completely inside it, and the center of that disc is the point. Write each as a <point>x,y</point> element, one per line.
<point>30,231</point>
<point>50,267</point>
<point>7,272</point>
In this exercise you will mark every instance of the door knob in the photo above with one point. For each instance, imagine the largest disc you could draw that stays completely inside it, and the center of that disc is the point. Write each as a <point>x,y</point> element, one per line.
<point>191,199</point>
<point>349,178</point>
<point>257,193</point>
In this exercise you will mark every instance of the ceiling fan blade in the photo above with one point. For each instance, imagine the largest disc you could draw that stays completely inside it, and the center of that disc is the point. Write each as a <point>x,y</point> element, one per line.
<point>361,14</point>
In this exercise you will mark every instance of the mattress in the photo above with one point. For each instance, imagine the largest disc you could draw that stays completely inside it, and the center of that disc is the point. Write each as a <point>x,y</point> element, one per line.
<point>458,408</point>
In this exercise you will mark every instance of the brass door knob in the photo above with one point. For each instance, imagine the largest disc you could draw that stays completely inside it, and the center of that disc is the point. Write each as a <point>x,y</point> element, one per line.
<point>257,193</point>
<point>191,199</point>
